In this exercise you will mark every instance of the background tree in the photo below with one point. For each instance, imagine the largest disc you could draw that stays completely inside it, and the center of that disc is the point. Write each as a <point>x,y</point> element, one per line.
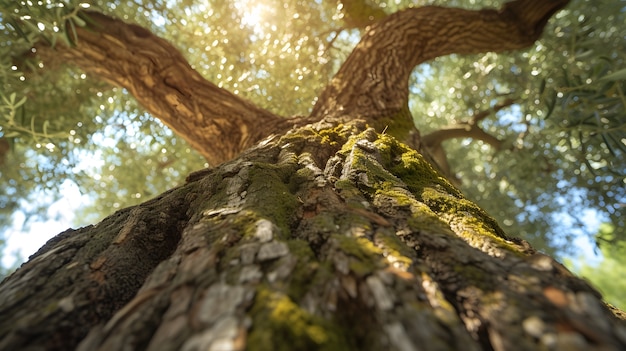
<point>326,232</point>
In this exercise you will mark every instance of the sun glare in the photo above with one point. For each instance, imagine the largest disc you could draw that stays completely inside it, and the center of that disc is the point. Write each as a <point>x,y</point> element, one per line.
<point>252,15</point>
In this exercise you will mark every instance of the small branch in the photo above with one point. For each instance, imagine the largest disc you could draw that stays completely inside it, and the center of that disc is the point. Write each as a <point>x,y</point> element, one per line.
<point>486,113</point>
<point>465,130</point>
<point>468,129</point>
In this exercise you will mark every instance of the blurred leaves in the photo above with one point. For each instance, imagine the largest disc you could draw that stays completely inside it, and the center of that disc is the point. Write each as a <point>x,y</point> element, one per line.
<point>566,133</point>
<point>606,275</point>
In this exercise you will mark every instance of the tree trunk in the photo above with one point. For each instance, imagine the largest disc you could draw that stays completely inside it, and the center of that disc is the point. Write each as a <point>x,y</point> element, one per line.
<point>330,237</point>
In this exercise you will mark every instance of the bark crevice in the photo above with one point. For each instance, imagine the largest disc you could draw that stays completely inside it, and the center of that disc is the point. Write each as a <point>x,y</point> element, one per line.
<point>101,266</point>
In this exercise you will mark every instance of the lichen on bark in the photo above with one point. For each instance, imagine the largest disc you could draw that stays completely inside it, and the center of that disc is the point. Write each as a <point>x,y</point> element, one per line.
<point>333,236</point>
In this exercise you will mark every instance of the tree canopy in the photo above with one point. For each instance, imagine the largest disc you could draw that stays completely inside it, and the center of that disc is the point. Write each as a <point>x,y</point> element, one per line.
<point>536,137</point>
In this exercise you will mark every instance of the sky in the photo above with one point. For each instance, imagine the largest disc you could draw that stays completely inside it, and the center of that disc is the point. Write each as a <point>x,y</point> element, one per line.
<point>61,216</point>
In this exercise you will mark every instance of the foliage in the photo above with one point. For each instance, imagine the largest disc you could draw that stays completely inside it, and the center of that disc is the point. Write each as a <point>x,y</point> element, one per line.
<point>608,274</point>
<point>564,135</point>
<point>563,138</point>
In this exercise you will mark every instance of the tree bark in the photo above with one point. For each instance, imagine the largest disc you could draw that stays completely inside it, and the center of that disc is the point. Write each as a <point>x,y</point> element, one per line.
<point>331,236</point>
<point>325,238</point>
<point>373,82</point>
<point>215,122</point>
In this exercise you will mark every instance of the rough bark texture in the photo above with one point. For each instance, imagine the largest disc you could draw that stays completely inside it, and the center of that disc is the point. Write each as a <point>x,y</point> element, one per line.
<point>329,237</point>
<point>325,239</point>
<point>373,82</point>
<point>216,122</point>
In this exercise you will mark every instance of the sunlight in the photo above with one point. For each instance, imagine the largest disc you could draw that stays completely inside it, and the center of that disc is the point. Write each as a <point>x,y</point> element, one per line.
<point>252,15</point>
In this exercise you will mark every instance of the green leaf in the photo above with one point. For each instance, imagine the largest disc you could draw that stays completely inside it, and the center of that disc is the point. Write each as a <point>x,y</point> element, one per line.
<point>618,75</point>
<point>19,103</point>
<point>71,35</point>
<point>584,55</point>
<point>18,29</point>
<point>542,87</point>
<point>551,105</point>
<point>79,21</point>
<point>617,142</point>
<point>608,145</point>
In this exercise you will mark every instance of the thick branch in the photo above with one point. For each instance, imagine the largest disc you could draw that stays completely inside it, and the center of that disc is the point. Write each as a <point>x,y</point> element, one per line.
<point>373,82</point>
<point>214,121</point>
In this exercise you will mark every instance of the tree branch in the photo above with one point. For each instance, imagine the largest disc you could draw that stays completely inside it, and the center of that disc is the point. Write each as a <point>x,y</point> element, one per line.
<point>464,130</point>
<point>485,113</point>
<point>432,142</point>
<point>214,121</point>
<point>469,129</point>
<point>373,82</point>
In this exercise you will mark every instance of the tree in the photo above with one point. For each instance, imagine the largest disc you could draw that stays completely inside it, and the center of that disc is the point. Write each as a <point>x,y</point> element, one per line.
<point>567,110</point>
<point>329,231</point>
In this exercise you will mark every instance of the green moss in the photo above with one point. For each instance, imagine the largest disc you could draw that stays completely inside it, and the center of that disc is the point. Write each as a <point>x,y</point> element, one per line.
<point>408,165</point>
<point>336,136</point>
<point>280,324</point>
<point>392,245</point>
<point>361,248</point>
<point>365,257</point>
<point>269,195</point>
<point>428,221</point>
<point>399,196</point>
<point>307,272</point>
<point>398,125</point>
<point>351,220</point>
<point>443,199</point>
<point>377,176</point>
<point>477,226</point>
<point>346,185</point>
<point>445,313</point>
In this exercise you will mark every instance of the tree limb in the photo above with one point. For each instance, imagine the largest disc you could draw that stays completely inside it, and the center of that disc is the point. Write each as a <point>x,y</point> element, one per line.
<point>463,130</point>
<point>373,82</point>
<point>469,129</point>
<point>432,142</point>
<point>485,113</point>
<point>216,122</point>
